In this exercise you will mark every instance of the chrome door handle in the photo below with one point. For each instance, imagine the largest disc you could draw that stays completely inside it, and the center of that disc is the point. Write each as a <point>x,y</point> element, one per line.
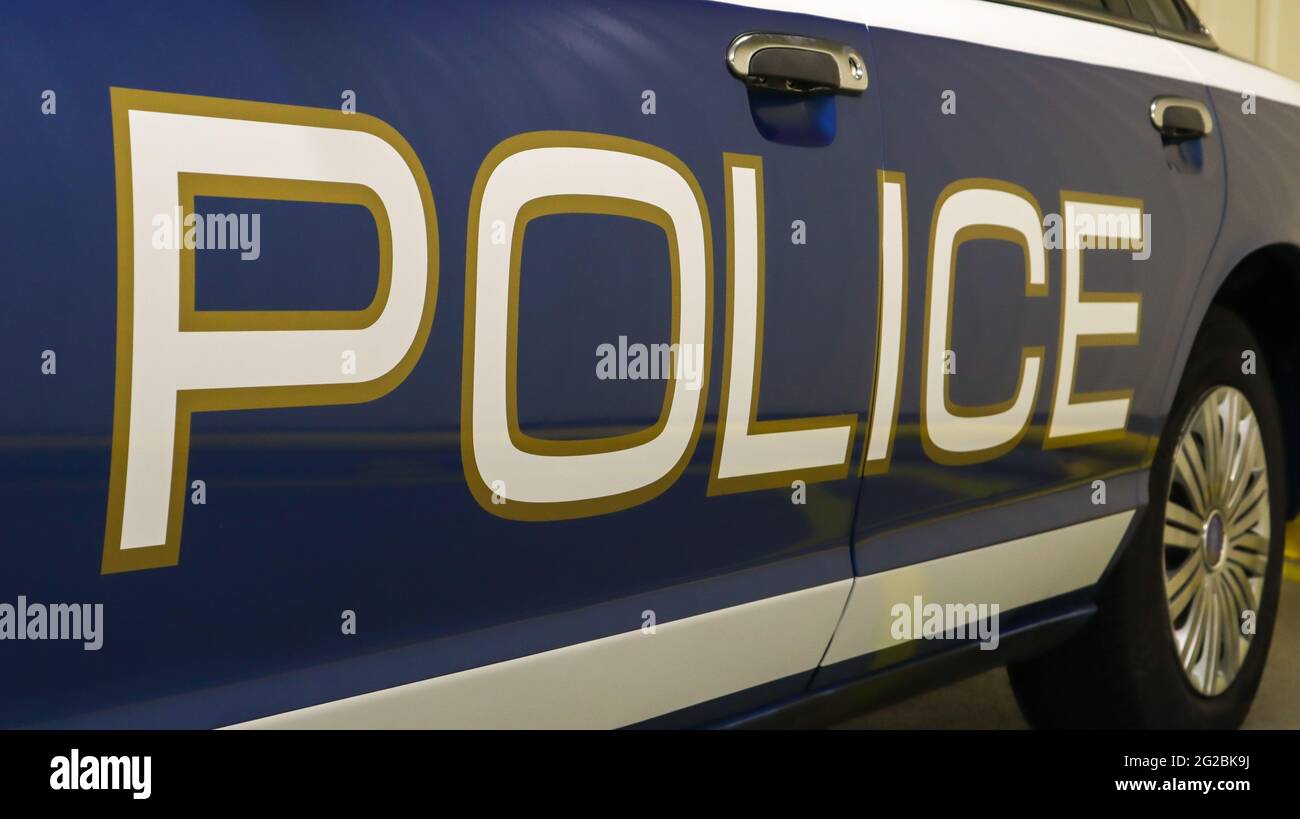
<point>1181,118</point>
<point>796,65</point>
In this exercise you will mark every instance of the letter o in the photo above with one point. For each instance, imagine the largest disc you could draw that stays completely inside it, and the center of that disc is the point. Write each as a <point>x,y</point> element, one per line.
<point>566,172</point>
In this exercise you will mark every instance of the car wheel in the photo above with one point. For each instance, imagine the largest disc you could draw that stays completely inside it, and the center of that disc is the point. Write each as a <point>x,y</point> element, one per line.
<point>1185,617</point>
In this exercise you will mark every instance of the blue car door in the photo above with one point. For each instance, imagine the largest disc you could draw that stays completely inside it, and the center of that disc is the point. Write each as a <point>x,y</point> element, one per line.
<point>366,348</point>
<point>1028,415</point>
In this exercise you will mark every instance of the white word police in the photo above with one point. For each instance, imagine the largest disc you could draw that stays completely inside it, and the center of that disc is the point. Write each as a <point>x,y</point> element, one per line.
<point>168,368</point>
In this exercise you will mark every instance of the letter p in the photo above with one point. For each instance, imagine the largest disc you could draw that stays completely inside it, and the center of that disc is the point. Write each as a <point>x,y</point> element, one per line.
<point>173,361</point>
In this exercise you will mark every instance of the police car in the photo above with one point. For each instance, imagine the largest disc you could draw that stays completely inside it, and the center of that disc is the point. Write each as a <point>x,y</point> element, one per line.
<point>674,363</point>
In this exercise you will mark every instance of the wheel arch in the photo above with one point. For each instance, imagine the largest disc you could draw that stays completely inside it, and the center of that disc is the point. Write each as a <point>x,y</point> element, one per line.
<point>1264,290</point>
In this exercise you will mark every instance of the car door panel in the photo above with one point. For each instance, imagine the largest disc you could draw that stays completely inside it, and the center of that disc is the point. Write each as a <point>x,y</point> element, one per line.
<point>317,516</point>
<point>1098,139</point>
<point>998,96</point>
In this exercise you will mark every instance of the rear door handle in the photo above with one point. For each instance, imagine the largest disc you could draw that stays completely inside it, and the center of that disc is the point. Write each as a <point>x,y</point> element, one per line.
<point>1181,118</point>
<point>796,65</point>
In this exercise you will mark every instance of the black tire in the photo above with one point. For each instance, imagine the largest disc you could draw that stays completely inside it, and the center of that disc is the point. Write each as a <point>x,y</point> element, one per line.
<point>1122,669</point>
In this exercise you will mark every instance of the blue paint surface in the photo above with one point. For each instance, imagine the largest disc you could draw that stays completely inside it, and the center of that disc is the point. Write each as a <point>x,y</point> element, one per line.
<point>312,511</point>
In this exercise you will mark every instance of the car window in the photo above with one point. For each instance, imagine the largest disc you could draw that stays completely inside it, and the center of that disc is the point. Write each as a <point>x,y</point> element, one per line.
<point>1166,14</point>
<point>1111,8</point>
<point>1168,18</point>
<point>1116,8</point>
<point>1095,5</point>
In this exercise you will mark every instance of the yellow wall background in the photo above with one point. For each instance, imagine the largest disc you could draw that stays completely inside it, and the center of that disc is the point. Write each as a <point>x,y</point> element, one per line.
<point>1263,31</point>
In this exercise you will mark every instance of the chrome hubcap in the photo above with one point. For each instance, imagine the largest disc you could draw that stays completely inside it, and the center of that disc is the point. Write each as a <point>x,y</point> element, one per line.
<point>1216,538</point>
<point>1212,541</point>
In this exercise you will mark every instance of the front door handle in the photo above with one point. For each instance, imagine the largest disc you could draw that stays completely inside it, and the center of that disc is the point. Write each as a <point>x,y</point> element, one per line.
<point>796,65</point>
<point>1181,118</point>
